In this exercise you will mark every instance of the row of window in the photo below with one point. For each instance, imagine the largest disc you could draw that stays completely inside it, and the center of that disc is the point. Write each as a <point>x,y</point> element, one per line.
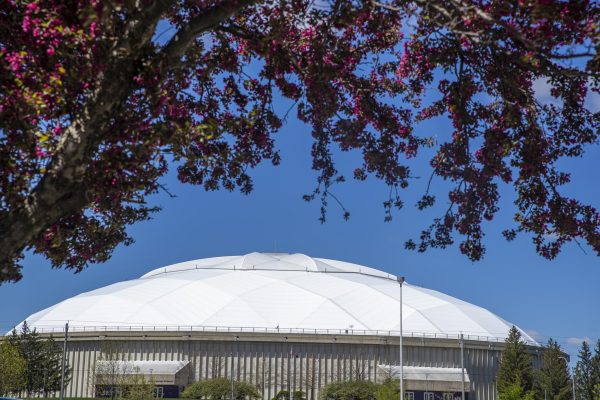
<point>428,396</point>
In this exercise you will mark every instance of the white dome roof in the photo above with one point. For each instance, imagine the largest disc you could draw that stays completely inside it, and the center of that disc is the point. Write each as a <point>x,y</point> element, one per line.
<point>272,292</point>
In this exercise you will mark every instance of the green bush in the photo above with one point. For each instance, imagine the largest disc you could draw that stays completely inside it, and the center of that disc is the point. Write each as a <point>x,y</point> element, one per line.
<point>388,390</point>
<point>136,387</point>
<point>349,390</point>
<point>220,389</point>
<point>285,395</point>
<point>12,368</point>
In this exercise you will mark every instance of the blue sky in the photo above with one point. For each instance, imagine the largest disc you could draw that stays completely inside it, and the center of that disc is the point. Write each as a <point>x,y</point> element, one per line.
<point>547,298</point>
<point>556,298</point>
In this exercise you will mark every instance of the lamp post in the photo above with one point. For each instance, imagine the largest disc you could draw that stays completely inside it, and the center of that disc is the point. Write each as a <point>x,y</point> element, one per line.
<point>232,364</point>
<point>64,362</point>
<point>400,284</point>
<point>572,374</point>
<point>462,364</point>
<point>289,369</point>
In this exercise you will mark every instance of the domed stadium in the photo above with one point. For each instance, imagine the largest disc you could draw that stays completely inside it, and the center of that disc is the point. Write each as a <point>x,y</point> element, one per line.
<point>280,322</point>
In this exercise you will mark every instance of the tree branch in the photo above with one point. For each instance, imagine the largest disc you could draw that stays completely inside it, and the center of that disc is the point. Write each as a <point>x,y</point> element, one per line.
<point>61,192</point>
<point>210,19</point>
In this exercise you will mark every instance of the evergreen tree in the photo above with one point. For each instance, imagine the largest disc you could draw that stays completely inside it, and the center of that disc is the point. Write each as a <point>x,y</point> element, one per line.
<point>554,377</point>
<point>515,373</point>
<point>43,361</point>
<point>31,348</point>
<point>515,391</point>
<point>52,367</point>
<point>595,366</point>
<point>584,382</point>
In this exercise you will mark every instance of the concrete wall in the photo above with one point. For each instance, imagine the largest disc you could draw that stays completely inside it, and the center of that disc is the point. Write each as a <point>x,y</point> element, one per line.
<point>270,360</point>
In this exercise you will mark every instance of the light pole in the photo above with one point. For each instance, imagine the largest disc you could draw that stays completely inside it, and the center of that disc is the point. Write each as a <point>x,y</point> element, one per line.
<point>289,369</point>
<point>64,362</point>
<point>572,374</point>
<point>232,363</point>
<point>400,284</point>
<point>462,364</point>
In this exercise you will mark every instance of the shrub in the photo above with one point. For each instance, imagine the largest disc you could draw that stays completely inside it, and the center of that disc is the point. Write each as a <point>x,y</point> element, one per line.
<point>388,390</point>
<point>285,395</point>
<point>220,389</point>
<point>349,390</point>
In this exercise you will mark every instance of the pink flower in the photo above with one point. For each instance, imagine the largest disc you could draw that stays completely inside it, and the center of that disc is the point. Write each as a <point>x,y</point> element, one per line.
<point>93,29</point>
<point>14,61</point>
<point>242,48</point>
<point>308,32</point>
<point>26,25</point>
<point>50,51</point>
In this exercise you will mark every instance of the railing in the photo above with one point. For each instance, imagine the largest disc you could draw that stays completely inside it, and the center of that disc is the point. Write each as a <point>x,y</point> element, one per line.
<point>269,330</point>
<point>333,271</point>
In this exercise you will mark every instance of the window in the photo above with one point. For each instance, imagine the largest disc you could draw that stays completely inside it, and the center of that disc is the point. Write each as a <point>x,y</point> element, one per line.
<point>409,395</point>
<point>428,396</point>
<point>448,396</point>
<point>158,392</point>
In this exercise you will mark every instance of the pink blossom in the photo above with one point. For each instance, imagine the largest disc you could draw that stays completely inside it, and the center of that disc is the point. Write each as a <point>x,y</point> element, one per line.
<point>14,61</point>
<point>93,29</point>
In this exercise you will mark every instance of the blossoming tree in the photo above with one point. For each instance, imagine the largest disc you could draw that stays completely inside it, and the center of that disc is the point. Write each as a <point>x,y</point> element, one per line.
<point>99,98</point>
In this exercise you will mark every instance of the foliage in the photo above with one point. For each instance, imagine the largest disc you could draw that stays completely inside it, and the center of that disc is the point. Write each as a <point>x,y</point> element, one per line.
<point>220,389</point>
<point>99,99</point>
<point>135,387</point>
<point>349,390</point>
<point>118,378</point>
<point>515,372</point>
<point>43,361</point>
<point>587,372</point>
<point>285,395</point>
<point>388,390</point>
<point>595,364</point>
<point>515,391</point>
<point>12,368</point>
<point>554,378</point>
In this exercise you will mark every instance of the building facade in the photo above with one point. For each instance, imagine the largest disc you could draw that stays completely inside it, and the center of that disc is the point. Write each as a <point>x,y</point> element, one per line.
<point>280,322</point>
<point>291,361</point>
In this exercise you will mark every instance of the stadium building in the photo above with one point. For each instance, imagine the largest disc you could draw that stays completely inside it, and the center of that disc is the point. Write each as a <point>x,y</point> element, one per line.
<point>280,322</point>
